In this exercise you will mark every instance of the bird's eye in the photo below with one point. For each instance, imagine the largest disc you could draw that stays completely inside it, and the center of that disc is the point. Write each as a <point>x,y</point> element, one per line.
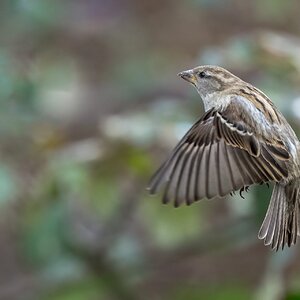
<point>201,74</point>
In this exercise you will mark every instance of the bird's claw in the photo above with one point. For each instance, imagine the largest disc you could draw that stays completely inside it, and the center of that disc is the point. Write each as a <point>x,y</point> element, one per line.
<point>241,192</point>
<point>266,183</point>
<point>244,189</point>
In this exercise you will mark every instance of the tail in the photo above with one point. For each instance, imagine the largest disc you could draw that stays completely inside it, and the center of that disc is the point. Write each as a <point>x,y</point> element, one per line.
<point>281,224</point>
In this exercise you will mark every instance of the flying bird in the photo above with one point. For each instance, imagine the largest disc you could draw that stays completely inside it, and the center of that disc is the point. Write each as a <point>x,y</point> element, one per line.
<point>240,140</point>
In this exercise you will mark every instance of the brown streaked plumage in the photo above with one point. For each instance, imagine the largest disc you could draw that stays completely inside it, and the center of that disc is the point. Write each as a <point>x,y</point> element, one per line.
<point>242,139</point>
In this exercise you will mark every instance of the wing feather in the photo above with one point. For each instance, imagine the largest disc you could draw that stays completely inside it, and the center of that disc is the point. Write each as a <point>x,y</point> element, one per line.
<point>218,156</point>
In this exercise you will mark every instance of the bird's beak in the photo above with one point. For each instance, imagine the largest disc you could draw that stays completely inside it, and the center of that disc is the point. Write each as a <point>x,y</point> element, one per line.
<point>188,76</point>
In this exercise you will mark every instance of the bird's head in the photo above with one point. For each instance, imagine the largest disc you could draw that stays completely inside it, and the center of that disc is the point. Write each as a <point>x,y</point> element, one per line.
<point>209,79</point>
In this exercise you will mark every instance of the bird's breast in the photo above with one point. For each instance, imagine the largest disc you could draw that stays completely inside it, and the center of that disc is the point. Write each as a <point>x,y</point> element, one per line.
<point>214,100</point>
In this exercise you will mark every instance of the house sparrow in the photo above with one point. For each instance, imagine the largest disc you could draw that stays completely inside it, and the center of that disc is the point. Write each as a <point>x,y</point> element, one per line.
<point>242,139</point>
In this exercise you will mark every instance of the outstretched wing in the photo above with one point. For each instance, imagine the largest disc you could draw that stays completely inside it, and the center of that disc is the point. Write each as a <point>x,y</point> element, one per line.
<point>218,156</point>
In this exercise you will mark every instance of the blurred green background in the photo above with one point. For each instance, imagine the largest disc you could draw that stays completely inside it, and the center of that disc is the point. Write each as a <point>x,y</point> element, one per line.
<point>90,107</point>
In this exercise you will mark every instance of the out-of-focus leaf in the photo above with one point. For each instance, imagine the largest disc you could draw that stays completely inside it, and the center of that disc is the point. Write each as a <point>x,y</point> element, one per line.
<point>231,292</point>
<point>268,9</point>
<point>293,296</point>
<point>171,226</point>
<point>90,288</point>
<point>8,184</point>
<point>42,233</point>
<point>127,253</point>
<point>8,76</point>
<point>74,178</point>
<point>211,4</point>
<point>294,292</point>
<point>45,12</point>
<point>104,197</point>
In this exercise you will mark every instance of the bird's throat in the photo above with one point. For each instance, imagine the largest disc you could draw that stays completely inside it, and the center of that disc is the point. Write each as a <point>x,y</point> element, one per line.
<point>215,100</point>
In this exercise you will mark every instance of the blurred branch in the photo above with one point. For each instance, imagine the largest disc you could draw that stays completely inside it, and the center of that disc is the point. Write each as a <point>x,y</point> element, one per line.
<point>96,256</point>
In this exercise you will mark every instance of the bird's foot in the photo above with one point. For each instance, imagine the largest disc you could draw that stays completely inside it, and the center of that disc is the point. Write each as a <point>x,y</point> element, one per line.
<point>241,192</point>
<point>244,189</point>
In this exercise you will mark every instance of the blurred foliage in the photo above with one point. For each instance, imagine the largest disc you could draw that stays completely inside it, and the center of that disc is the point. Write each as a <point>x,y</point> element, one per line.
<point>90,106</point>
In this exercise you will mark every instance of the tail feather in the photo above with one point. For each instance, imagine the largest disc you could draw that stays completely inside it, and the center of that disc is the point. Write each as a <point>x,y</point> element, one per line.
<point>281,224</point>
